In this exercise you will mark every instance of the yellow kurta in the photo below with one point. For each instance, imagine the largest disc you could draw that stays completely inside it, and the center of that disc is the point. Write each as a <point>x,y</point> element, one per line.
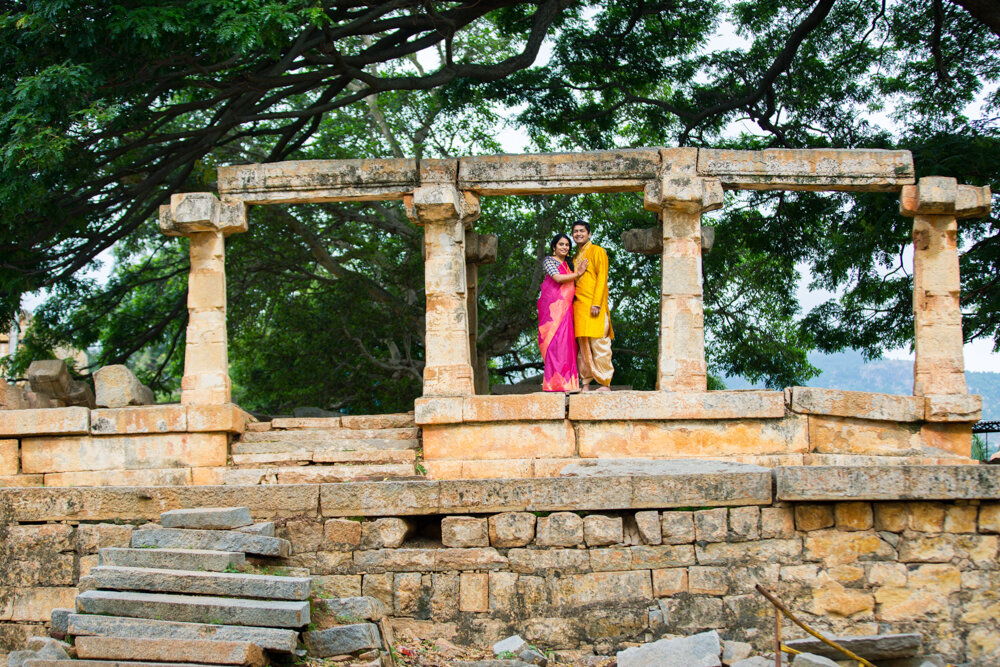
<point>592,290</point>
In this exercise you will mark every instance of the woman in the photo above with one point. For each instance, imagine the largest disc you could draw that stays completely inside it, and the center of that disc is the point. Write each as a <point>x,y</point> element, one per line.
<point>556,338</point>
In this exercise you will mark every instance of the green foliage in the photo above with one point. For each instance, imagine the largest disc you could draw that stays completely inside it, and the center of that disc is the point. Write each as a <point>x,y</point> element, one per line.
<point>979,448</point>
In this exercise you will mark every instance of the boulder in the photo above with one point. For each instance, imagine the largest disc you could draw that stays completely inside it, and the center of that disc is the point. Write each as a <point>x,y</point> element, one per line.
<point>118,387</point>
<point>701,650</point>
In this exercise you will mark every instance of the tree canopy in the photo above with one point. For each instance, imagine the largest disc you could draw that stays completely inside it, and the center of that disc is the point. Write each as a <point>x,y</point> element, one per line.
<point>107,108</point>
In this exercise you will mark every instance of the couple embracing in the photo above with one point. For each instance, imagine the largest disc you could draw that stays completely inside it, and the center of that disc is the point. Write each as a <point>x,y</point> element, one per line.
<point>574,326</point>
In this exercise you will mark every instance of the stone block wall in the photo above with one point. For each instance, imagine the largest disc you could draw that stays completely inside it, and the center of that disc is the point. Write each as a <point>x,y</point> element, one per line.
<point>587,579</point>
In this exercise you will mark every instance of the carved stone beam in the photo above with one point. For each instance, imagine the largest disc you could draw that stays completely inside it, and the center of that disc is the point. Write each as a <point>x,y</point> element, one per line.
<point>649,240</point>
<point>935,204</point>
<point>206,221</point>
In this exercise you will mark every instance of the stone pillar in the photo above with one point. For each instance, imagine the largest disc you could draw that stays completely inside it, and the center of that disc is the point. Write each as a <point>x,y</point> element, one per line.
<point>680,198</point>
<point>479,249</point>
<point>935,204</point>
<point>206,222</point>
<point>445,212</point>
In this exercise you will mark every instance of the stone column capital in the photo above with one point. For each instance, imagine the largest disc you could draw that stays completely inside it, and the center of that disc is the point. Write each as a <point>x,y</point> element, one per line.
<point>441,202</point>
<point>194,212</point>
<point>942,195</point>
<point>683,192</point>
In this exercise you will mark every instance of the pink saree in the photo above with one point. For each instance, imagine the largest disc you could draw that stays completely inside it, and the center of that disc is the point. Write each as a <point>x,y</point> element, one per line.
<point>556,337</point>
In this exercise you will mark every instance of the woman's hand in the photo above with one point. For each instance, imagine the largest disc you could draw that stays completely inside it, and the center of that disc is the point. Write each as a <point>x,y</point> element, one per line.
<point>581,267</point>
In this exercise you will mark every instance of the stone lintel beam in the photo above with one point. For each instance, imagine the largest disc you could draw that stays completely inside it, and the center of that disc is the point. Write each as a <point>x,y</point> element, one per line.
<point>302,181</point>
<point>625,170</point>
<point>441,203</point>
<point>941,195</point>
<point>649,240</point>
<point>808,169</point>
<point>196,212</point>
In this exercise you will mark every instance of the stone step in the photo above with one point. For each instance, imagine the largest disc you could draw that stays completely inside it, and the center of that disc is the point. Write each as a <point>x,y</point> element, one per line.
<point>207,518</point>
<point>195,608</point>
<point>271,639</point>
<point>362,456</point>
<point>265,528</point>
<point>288,442</point>
<point>169,650</point>
<point>172,559</point>
<point>323,435</point>
<point>342,640</point>
<point>108,663</point>
<point>217,540</point>
<point>318,474</point>
<point>223,584</point>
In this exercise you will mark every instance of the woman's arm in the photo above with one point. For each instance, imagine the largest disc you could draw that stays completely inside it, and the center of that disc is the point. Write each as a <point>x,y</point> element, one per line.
<point>581,267</point>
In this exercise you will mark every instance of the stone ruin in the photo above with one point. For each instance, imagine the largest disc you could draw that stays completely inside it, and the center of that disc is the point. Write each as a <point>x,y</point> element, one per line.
<point>586,525</point>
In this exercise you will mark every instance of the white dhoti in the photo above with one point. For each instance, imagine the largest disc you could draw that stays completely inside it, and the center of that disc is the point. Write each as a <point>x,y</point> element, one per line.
<point>594,358</point>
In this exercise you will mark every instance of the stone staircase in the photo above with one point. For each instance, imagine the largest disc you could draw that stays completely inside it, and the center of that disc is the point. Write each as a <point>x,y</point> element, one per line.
<point>322,450</point>
<point>180,596</point>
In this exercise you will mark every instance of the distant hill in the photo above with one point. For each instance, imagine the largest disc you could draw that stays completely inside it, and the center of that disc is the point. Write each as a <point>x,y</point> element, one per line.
<point>849,370</point>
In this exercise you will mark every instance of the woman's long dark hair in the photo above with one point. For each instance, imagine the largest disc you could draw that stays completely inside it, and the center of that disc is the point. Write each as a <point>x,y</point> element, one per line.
<point>569,255</point>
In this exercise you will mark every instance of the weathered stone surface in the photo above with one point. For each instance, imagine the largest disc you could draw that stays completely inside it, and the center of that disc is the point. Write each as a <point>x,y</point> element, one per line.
<point>172,559</point>
<point>484,440</point>
<point>870,647</point>
<point>144,419</point>
<point>438,410</point>
<point>318,180</point>
<point>701,650</point>
<point>561,529</point>
<point>195,609</point>
<point>989,518</point>
<point>9,457</point>
<point>735,651</point>
<point>846,435</point>
<point>599,171</point>
<point>170,650</point>
<point>301,422</point>
<point>49,376</point>
<point>223,584</point>
<point>857,404</point>
<point>341,534</point>
<point>683,405</point>
<point>601,587</point>
<point>677,527</point>
<point>853,516</point>
<point>342,640</point>
<point>123,452</point>
<point>602,530</point>
<point>692,438</point>
<point>834,547</point>
<point>532,561</point>
<point>363,608</point>
<point>167,477</point>
<point>395,420</point>
<point>117,387</point>
<point>887,483</point>
<point>525,407</point>
<point>272,639</point>
<point>744,523</point>
<point>170,538</point>
<point>667,582</point>
<point>429,560</point>
<point>953,408</point>
<point>511,529</point>
<point>380,498</point>
<point>473,593</point>
<point>35,605</point>
<point>662,556</point>
<point>327,437</point>
<point>387,533</point>
<point>49,421</point>
<point>710,525</point>
<point>207,518</point>
<point>808,169</point>
<point>811,660</point>
<point>464,531</point>
<point>91,537</point>
<point>760,551</point>
<point>226,417</point>
<point>648,524</point>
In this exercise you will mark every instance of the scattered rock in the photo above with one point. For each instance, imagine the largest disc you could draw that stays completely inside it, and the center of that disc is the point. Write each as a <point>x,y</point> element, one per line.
<point>342,640</point>
<point>701,650</point>
<point>812,660</point>
<point>755,661</point>
<point>534,657</point>
<point>385,533</point>
<point>735,651</point>
<point>513,645</point>
<point>117,387</point>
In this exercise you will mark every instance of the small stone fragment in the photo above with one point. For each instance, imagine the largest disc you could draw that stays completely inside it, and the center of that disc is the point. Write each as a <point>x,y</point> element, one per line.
<point>560,529</point>
<point>49,376</point>
<point>533,657</point>
<point>464,531</point>
<point>359,608</point>
<point>512,645</point>
<point>648,522</point>
<point>735,651</point>
<point>342,640</point>
<point>812,660</point>
<point>385,533</point>
<point>512,529</point>
<point>599,531</point>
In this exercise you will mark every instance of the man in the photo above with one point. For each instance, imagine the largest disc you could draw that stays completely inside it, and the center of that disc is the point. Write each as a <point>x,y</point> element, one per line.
<point>590,312</point>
